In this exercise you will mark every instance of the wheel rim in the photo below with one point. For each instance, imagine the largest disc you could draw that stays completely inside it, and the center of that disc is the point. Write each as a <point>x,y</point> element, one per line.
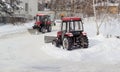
<point>50,28</point>
<point>65,43</point>
<point>43,30</point>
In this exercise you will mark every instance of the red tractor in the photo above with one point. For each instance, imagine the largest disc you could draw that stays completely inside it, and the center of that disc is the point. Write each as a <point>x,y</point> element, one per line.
<point>43,23</point>
<point>72,34</point>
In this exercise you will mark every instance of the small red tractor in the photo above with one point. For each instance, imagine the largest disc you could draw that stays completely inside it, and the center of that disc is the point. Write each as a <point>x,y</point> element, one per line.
<point>43,23</point>
<point>72,34</point>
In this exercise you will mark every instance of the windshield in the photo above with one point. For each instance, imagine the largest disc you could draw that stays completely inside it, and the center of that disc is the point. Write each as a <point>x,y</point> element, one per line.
<point>39,18</point>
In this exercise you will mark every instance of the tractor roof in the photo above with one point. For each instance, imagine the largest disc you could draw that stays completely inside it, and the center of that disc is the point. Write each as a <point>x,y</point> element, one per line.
<point>71,19</point>
<point>40,14</point>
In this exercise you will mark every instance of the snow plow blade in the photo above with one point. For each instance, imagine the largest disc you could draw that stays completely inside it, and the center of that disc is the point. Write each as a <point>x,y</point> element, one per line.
<point>49,39</point>
<point>33,31</point>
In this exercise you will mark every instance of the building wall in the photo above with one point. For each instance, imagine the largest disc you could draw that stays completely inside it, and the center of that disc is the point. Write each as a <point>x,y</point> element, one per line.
<point>32,8</point>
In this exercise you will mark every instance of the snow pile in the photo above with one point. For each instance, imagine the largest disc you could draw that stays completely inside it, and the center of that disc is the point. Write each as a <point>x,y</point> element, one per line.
<point>10,28</point>
<point>100,50</point>
<point>109,26</point>
<point>112,27</point>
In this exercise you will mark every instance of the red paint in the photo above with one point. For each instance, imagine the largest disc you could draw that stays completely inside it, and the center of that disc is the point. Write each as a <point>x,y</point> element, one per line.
<point>59,34</point>
<point>84,33</point>
<point>38,23</point>
<point>69,34</point>
<point>48,22</point>
<point>71,18</point>
<point>40,14</point>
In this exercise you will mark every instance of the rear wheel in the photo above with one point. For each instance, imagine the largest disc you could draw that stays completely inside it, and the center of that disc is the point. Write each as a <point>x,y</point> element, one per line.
<point>84,42</point>
<point>67,44</point>
<point>43,30</point>
<point>49,28</point>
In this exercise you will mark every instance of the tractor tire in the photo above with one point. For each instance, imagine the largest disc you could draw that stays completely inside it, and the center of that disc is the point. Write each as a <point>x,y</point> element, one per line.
<point>43,30</point>
<point>39,29</point>
<point>55,43</point>
<point>49,28</point>
<point>67,45</point>
<point>84,42</point>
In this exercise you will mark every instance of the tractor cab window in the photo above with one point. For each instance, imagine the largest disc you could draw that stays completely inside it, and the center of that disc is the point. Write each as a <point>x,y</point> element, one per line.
<point>48,18</point>
<point>80,25</point>
<point>64,26</point>
<point>37,18</point>
<point>75,25</point>
<point>71,26</point>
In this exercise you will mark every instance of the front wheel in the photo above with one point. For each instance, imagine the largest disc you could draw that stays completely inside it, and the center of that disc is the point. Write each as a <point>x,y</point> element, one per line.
<point>67,44</point>
<point>34,27</point>
<point>49,28</point>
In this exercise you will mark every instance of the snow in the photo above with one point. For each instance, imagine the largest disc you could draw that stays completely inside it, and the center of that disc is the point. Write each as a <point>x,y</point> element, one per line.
<point>109,26</point>
<point>100,49</point>
<point>21,51</point>
<point>10,28</point>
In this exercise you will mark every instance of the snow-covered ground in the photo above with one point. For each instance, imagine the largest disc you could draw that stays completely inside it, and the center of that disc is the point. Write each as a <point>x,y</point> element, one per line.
<point>21,51</point>
<point>11,29</point>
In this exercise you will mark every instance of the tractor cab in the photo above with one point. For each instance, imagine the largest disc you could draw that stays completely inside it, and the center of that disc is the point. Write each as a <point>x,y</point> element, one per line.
<point>42,23</point>
<point>72,25</point>
<point>71,34</point>
<point>40,18</point>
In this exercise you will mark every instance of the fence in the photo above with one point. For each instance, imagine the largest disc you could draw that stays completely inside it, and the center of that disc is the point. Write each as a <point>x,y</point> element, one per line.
<point>15,19</point>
